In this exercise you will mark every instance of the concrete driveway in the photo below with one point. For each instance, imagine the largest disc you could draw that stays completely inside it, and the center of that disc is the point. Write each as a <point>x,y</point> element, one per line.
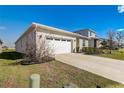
<point>106,67</point>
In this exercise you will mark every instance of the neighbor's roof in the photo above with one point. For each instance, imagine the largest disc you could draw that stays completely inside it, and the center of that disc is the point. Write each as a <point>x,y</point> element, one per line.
<point>85,30</point>
<point>36,25</point>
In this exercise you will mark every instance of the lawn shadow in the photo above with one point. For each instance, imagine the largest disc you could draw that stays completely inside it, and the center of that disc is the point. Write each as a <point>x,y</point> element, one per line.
<point>11,55</point>
<point>20,59</point>
<point>31,62</point>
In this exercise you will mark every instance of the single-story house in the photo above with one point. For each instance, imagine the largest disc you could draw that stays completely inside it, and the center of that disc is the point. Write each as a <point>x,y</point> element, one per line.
<point>60,40</point>
<point>1,46</point>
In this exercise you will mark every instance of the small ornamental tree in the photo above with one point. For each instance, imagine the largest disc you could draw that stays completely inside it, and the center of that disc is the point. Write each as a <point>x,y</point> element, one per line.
<point>104,44</point>
<point>44,52</point>
<point>111,36</point>
<point>41,53</point>
<point>120,38</point>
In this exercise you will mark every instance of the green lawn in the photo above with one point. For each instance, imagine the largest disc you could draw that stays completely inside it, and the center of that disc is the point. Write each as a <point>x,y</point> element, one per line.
<point>116,54</point>
<point>53,74</point>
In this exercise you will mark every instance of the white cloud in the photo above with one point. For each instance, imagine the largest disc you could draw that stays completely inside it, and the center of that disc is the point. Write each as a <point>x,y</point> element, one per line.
<point>120,29</point>
<point>2,28</point>
<point>121,9</point>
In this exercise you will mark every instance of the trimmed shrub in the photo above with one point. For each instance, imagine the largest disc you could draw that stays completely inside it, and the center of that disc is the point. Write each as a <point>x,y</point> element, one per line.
<point>77,49</point>
<point>90,50</point>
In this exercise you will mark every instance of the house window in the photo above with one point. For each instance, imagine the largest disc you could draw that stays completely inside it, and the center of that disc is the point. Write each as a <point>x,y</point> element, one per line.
<point>48,38</point>
<point>90,33</point>
<point>83,42</point>
<point>57,39</point>
<point>63,40</point>
<point>68,40</point>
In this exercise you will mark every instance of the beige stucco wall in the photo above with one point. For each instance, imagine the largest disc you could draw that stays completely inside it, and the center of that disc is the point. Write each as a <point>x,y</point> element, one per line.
<point>91,43</point>
<point>86,43</point>
<point>81,43</point>
<point>26,43</point>
<point>91,34</point>
<point>99,43</point>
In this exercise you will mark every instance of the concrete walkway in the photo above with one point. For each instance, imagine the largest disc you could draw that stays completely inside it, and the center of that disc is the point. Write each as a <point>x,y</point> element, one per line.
<point>106,67</point>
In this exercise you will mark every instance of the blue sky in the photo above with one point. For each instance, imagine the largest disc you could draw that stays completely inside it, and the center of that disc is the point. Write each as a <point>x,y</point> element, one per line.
<point>14,20</point>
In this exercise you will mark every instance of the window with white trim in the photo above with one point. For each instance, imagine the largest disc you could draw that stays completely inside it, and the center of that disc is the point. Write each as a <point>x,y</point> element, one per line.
<point>57,39</point>
<point>49,38</point>
<point>84,42</point>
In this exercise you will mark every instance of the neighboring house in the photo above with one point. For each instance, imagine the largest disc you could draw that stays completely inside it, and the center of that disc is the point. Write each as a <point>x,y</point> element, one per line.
<point>60,40</point>
<point>93,41</point>
<point>1,46</point>
<point>115,43</point>
<point>5,47</point>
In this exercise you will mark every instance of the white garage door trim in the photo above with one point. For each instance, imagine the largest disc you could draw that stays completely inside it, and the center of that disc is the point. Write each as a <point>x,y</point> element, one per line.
<point>59,46</point>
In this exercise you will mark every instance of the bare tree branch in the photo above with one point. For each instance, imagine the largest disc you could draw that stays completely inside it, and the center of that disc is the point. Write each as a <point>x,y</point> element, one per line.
<point>120,38</point>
